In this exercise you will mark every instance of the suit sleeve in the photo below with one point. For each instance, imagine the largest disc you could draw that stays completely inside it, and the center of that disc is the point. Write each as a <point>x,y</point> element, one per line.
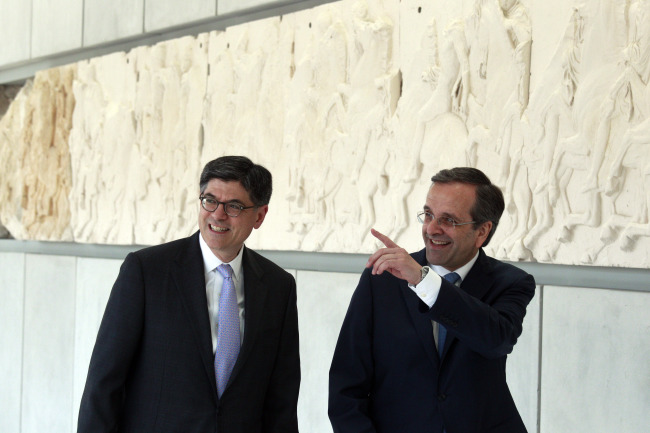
<point>491,326</point>
<point>117,342</point>
<point>281,403</point>
<point>351,372</point>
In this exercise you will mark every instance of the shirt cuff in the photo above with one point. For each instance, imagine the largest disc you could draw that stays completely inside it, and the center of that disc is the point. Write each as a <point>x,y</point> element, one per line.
<point>427,289</point>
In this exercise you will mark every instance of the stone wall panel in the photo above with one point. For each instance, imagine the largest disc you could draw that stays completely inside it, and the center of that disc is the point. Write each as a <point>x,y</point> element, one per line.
<point>36,178</point>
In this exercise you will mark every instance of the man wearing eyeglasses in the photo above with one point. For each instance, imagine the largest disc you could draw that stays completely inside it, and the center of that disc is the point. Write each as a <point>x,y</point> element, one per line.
<point>200,334</point>
<point>424,343</point>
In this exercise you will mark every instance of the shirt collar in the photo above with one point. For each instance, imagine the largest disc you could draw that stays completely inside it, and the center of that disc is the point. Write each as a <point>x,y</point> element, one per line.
<point>210,261</point>
<point>462,271</point>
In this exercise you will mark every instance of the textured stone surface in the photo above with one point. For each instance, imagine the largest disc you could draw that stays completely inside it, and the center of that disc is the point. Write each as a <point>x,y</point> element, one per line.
<point>354,105</point>
<point>35,179</point>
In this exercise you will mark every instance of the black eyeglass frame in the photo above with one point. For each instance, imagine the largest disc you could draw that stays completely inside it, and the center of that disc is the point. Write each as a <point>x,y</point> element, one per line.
<point>232,209</point>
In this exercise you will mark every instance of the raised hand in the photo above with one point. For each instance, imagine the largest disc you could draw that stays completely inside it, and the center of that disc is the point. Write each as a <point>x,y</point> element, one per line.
<point>394,259</point>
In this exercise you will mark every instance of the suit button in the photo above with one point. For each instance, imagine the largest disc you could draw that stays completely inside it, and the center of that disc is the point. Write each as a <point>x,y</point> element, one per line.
<point>442,397</point>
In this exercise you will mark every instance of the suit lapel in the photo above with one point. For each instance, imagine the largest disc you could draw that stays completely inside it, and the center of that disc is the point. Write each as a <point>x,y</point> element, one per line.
<point>477,283</point>
<point>188,278</point>
<point>421,322</point>
<point>479,280</point>
<point>255,293</point>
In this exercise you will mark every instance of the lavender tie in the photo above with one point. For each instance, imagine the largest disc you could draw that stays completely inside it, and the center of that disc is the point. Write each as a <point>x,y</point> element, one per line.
<point>228,333</point>
<point>452,277</point>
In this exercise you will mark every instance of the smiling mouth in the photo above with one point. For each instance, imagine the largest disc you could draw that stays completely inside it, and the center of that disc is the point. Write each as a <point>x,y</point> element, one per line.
<point>218,229</point>
<point>439,243</point>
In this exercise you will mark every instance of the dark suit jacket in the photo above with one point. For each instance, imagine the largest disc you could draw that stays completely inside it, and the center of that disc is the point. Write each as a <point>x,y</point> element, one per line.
<point>386,375</point>
<point>152,368</point>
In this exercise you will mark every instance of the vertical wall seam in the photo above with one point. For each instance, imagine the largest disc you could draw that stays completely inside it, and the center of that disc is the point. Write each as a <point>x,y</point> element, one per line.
<point>74,340</point>
<point>144,16</point>
<point>83,24</point>
<point>22,346</point>
<point>539,359</point>
<point>31,30</point>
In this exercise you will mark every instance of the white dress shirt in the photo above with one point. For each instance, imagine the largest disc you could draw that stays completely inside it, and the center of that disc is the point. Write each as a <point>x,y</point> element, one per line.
<point>429,288</point>
<point>213,284</point>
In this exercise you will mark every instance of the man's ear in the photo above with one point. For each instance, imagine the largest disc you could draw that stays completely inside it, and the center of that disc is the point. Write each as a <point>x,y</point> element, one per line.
<point>260,214</point>
<point>483,232</point>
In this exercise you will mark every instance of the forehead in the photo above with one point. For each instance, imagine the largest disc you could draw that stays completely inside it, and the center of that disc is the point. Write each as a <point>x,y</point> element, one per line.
<point>451,198</point>
<point>226,190</point>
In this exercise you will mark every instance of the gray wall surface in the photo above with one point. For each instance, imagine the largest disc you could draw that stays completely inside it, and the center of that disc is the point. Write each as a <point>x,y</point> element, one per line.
<point>579,366</point>
<point>40,34</point>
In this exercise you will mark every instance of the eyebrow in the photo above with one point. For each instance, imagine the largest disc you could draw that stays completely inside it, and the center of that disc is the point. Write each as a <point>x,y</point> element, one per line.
<point>234,200</point>
<point>444,214</point>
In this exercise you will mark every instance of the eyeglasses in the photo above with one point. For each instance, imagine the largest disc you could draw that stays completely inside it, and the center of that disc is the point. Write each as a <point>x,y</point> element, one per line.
<point>232,209</point>
<point>447,222</point>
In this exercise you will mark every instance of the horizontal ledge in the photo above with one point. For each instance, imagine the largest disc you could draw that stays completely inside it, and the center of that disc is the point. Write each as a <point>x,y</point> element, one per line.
<point>546,274</point>
<point>20,71</point>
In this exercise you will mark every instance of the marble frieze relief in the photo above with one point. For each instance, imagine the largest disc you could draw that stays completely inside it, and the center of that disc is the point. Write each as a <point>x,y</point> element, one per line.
<point>353,106</point>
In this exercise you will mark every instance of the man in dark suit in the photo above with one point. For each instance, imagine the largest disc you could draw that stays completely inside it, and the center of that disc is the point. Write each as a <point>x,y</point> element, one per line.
<point>183,348</point>
<point>418,353</point>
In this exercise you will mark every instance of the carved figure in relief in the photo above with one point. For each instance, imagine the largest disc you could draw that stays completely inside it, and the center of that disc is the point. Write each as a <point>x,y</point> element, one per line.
<point>499,38</point>
<point>403,166</point>
<point>547,120</point>
<point>313,131</point>
<point>299,138</point>
<point>443,115</point>
<point>485,57</point>
<point>514,38</point>
<point>629,92</point>
<point>626,105</point>
<point>632,152</point>
<point>331,69</point>
<point>218,115</point>
<point>248,62</point>
<point>371,96</point>
<point>633,155</point>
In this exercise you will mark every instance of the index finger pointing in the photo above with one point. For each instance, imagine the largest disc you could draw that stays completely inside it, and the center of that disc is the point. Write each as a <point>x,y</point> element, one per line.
<point>384,239</point>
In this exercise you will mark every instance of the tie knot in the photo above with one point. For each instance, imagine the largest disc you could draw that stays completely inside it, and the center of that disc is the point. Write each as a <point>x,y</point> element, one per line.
<point>452,277</point>
<point>225,270</point>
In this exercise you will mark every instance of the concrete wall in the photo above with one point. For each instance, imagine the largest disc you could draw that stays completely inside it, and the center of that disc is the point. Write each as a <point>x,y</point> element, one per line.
<point>33,29</point>
<point>580,364</point>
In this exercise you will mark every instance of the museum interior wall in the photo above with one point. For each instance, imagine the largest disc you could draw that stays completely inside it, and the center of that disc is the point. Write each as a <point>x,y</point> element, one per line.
<point>352,105</point>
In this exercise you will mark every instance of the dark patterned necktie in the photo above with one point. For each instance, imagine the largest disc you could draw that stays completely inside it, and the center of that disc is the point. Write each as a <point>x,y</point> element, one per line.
<point>452,277</point>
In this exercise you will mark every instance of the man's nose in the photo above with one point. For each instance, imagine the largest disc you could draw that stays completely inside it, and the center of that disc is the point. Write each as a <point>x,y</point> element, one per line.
<point>433,227</point>
<point>220,211</point>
